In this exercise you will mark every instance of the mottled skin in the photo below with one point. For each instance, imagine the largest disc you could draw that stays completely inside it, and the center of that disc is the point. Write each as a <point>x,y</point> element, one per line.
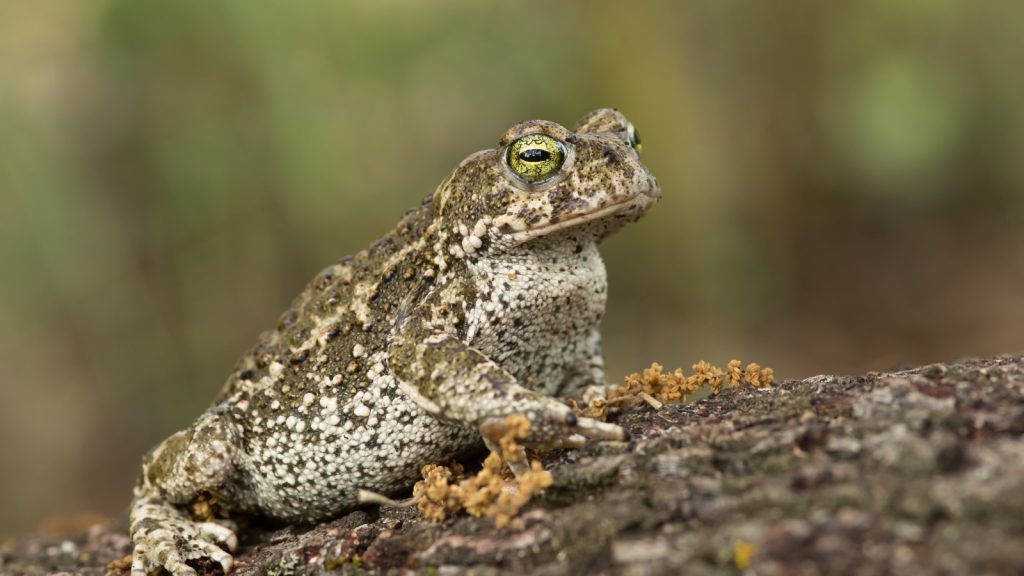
<point>483,302</point>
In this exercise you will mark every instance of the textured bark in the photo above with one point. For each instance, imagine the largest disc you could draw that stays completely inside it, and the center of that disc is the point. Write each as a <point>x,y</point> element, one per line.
<point>916,471</point>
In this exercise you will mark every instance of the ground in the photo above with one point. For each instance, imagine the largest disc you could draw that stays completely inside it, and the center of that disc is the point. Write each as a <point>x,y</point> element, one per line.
<point>917,471</point>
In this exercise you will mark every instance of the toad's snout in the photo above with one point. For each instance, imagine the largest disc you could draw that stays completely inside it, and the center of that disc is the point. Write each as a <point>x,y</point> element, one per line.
<point>649,188</point>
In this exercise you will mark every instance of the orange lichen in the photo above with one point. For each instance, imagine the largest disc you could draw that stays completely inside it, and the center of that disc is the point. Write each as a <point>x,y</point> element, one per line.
<point>509,503</point>
<point>516,428</point>
<point>706,373</point>
<point>206,507</point>
<point>443,491</point>
<point>734,373</point>
<point>654,386</point>
<point>758,377</point>
<point>480,492</point>
<point>438,493</point>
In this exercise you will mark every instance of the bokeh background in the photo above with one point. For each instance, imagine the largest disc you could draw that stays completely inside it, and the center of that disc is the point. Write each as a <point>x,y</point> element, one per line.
<point>843,188</point>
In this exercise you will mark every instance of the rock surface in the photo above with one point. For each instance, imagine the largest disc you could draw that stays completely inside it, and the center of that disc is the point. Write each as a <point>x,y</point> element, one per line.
<point>917,471</point>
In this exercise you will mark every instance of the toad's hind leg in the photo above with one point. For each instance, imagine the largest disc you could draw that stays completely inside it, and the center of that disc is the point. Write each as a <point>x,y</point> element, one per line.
<point>196,462</point>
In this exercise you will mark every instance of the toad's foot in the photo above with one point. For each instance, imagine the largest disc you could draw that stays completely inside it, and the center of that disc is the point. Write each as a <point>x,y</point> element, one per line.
<point>555,425</point>
<point>165,538</point>
<point>552,425</point>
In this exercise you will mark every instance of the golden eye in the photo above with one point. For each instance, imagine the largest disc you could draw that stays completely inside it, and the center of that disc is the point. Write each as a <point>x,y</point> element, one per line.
<point>535,157</point>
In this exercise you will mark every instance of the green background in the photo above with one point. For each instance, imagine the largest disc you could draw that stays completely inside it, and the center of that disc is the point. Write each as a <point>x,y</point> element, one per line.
<point>842,187</point>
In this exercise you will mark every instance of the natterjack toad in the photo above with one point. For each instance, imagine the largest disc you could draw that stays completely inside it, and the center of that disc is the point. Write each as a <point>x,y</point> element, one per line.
<point>482,303</point>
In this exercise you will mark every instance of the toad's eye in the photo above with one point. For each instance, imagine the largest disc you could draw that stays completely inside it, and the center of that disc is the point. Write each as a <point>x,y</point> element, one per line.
<point>535,157</point>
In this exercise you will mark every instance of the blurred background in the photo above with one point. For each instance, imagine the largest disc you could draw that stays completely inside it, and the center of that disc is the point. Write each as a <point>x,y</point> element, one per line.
<point>843,188</point>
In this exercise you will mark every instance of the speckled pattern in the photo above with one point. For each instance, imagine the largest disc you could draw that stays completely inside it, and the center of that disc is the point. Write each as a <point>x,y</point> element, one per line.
<point>483,302</point>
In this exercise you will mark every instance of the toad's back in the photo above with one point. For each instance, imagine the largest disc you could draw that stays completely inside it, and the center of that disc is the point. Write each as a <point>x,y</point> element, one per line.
<point>317,411</point>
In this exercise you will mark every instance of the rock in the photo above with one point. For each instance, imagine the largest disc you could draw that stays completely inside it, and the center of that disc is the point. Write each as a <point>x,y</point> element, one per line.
<point>917,471</point>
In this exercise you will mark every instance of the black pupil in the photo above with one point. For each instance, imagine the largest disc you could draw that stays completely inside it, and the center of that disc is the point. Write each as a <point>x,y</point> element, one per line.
<point>534,155</point>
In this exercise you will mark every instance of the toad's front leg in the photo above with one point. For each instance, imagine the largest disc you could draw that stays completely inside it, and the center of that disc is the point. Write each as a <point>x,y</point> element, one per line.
<point>459,383</point>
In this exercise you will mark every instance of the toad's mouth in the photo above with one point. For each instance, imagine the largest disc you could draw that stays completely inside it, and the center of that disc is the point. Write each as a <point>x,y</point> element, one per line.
<point>634,206</point>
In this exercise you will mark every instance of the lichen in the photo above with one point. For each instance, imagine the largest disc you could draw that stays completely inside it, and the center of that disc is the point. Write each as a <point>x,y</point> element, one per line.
<point>286,565</point>
<point>655,387</point>
<point>438,493</point>
<point>488,493</point>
